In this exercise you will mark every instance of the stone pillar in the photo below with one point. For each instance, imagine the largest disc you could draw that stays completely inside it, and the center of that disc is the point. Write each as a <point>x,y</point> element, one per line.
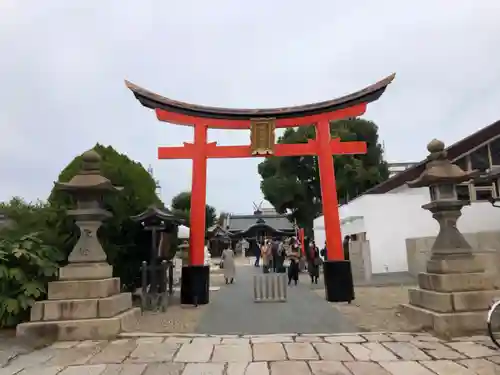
<point>86,303</point>
<point>454,293</point>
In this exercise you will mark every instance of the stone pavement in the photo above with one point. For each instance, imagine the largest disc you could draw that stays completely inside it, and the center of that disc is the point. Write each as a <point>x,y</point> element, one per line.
<point>283,354</point>
<point>232,310</point>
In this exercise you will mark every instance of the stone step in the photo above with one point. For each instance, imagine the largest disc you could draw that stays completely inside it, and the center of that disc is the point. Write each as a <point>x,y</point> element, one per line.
<point>81,289</point>
<point>83,329</point>
<point>455,282</point>
<point>453,302</point>
<point>446,324</point>
<point>89,308</point>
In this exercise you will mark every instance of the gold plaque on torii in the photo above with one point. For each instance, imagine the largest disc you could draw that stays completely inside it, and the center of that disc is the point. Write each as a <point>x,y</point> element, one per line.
<point>262,136</point>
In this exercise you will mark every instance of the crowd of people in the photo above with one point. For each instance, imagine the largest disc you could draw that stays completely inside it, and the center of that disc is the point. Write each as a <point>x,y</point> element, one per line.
<point>278,255</point>
<point>284,256</point>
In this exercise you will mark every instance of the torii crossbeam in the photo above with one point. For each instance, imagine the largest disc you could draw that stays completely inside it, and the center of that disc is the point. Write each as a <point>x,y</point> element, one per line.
<point>262,123</point>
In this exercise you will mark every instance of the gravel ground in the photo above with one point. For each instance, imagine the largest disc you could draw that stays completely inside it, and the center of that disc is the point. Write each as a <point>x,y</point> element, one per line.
<point>177,318</point>
<point>375,308</point>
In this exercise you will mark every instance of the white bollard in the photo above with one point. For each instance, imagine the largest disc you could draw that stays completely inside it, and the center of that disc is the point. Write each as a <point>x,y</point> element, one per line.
<point>270,287</point>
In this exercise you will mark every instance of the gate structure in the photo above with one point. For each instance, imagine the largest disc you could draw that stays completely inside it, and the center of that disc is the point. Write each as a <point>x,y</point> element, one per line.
<point>262,124</point>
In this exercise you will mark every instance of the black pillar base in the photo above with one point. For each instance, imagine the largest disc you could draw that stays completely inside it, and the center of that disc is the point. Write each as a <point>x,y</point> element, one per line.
<point>195,283</point>
<point>339,285</point>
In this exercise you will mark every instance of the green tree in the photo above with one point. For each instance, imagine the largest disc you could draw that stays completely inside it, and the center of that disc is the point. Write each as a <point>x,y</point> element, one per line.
<point>181,206</point>
<point>292,183</point>
<point>125,242</point>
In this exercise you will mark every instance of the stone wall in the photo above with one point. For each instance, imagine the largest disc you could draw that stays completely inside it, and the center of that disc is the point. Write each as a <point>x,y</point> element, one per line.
<point>486,246</point>
<point>359,255</point>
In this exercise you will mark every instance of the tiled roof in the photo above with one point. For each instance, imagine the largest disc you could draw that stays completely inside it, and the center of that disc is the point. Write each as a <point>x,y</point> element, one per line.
<point>454,151</point>
<point>243,222</point>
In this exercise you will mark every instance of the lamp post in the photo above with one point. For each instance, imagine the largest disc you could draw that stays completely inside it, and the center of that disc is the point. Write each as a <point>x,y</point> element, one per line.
<point>156,221</point>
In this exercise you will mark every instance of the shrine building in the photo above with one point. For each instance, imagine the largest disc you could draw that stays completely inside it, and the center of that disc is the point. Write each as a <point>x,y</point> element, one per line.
<point>263,223</point>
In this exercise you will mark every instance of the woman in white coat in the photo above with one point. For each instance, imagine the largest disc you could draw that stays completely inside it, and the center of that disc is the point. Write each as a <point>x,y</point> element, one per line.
<point>228,265</point>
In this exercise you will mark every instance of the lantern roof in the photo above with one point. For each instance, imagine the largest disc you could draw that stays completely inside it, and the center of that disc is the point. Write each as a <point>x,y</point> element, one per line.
<point>439,169</point>
<point>89,177</point>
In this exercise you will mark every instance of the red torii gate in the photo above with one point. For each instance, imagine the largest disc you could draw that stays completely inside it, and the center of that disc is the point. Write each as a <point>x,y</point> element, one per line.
<point>262,123</point>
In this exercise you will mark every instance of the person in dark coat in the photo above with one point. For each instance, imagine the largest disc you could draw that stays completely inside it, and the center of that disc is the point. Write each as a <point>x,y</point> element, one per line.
<point>345,246</point>
<point>274,252</point>
<point>313,262</point>
<point>256,251</point>
<point>324,252</point>
<point>293,255</point>
<point>280,258</point>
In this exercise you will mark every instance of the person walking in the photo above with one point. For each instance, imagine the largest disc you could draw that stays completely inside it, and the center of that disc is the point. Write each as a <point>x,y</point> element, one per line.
<point>280,257</point>
<point>229,266</point>
<point>257,247</point>
<point>274,253</point>
<point>345,246</point>
<point>265,251</point>
<point>293,256</point>
<point>313,262</point>
<point>323,253</point>
<point>244,247</point>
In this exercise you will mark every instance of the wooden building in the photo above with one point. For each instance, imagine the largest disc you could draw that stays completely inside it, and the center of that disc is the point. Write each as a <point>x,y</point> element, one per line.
<point>263,223</point>
<point>218,240</point>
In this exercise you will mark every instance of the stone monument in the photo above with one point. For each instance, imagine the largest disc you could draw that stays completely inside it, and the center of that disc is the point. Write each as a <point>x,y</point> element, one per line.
<point>455,292</point>
<point>86,302</point>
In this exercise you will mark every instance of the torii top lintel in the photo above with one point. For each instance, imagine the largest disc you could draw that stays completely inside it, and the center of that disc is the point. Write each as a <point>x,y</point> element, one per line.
<point>181,113</point>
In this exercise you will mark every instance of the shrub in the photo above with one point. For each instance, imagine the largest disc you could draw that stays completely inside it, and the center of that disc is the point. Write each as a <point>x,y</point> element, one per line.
<point>40,217</point>
<point>26,264</point>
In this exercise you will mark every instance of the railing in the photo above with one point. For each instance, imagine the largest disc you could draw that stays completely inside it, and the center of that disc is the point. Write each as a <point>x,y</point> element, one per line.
<point>157,285</point>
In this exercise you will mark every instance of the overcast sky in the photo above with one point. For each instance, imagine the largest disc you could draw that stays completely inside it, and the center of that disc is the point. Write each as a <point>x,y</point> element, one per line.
<point>63,63</point>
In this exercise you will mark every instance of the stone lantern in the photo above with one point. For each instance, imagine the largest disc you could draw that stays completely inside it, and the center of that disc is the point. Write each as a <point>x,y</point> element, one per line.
<point>88,259</point>
<point>86,302</point>
<point>454,293</point>
<point>442,177</point>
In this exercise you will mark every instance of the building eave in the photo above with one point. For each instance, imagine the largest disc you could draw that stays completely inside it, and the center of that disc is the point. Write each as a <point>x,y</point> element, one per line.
<point>454,151</point>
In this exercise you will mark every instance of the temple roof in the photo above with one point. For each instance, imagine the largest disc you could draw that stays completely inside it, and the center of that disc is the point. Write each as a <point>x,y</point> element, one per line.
<point>154,101</point>
<point>237,223</point>
<point>258,226</point>
<point>217,231</point>
<point>153,212</point>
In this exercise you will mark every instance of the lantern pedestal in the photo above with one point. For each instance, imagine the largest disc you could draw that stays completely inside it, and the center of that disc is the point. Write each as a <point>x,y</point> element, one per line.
<point>339,285</point>
<point>452,298</point>
<point>86,271</point>
<point>80,308</point>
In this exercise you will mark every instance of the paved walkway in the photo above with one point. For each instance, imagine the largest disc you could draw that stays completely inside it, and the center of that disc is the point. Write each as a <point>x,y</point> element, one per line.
<point>232,310</point>
<point>284,354</point>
